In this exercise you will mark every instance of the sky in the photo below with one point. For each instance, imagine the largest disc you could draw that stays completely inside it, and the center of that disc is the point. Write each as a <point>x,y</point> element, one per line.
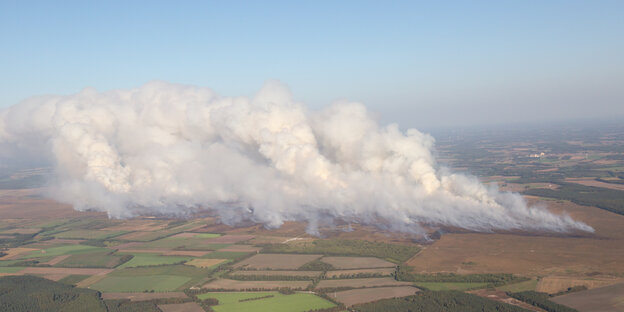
<point>420,64</point>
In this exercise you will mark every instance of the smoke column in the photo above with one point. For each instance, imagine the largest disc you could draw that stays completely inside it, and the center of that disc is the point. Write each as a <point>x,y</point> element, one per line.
<point>173,149</point>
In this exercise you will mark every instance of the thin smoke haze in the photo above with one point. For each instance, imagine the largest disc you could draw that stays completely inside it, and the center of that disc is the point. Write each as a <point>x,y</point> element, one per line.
<point>174,149</point>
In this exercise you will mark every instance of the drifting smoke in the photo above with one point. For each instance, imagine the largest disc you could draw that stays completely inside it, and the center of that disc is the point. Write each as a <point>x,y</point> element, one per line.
<point>172,149</point>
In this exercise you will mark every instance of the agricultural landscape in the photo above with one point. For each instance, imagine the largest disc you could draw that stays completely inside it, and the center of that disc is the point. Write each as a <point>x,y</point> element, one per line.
<point>157,263</point>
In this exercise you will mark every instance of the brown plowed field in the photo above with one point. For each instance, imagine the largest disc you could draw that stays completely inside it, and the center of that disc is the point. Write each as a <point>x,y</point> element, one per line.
<point>276,261</point>
<point>181,307</point>
<point>243,285</point>
<point>361,282</point>
<point>357,296</point>
<point>241,248</point>
<point>603,299</point>
<point>535,255</point>
<point>277,273</point>
<point>357,262</point>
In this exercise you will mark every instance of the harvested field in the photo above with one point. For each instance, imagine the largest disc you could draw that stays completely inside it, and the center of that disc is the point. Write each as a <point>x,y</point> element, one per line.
<point>158,283</point>
<point>67,271</point>
<point>229,239</point>
<point>347,273</point>
<point>276,261</point>
<point>357,296</point>
<point>241,248</point>
<point>141,296</point>
<point>361,282</point>
<point>190,253</point>
<point>357,262</point>
<point>277,273</point>
<point>243,285</point>
<point>205,263</point>
<point>555,284</point>
<point>532,255</point>
<point>594,183</point>
<point>12,253</point>
<point>21,231</point>
<point>56,260</point>
<point>602,299</point>
<point>181,307</point>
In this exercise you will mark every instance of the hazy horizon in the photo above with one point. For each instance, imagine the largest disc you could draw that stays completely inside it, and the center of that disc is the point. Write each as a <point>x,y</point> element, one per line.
<point>423,65</point>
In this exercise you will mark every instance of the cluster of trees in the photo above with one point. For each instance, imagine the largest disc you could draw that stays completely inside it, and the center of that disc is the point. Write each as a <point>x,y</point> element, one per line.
<point>335,247</point>
<point>30,293</point>
<point>403,273</point>
<point>603,198</point>
<point>438,301</point>
<point>540,300</point>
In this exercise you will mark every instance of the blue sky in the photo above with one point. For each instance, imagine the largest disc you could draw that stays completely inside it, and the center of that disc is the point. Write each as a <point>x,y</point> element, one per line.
<point>422,64</point>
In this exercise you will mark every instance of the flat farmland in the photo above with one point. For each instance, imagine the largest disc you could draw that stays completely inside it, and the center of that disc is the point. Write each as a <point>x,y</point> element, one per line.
<point>276,261</point>
<point>140,283</point>
<point>533,255</point>
<point>310,274</point>
<point>143,296</point>
<point>243,285</point>
<point>348,273</point>
<point>361,282</point>
<point>88,234</point>
<point>357,296</point>
<point>266,301</point>
<point>205,263</point>
<point>141,259</point>
<point>241,248</point>
<point>449,285</point>
<point>555,284</point>
<point>88,260</point>
<point>181,307</point>
<point>229,239</point>
<point>357,262</point>
<point>603,299</point>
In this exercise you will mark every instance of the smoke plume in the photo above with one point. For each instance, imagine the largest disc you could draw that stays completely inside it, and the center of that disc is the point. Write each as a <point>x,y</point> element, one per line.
<point>174,149</point>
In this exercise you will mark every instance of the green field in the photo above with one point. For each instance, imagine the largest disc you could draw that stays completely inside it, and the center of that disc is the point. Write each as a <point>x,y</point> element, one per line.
<point>89,234</point>
<point>72,279</point>
<point>146,259</point>
<point>102,259</point>
<point>63,250</point>
<point>10,269</point>
<point>192,243</point>
<point>299,302</point>
<point>193,274</point>
<point>518,287</point>
<point>450,286</point>
<point>140,283</point>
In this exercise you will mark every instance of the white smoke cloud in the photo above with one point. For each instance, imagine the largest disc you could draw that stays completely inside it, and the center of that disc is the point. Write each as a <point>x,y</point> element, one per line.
<point>173,149</point>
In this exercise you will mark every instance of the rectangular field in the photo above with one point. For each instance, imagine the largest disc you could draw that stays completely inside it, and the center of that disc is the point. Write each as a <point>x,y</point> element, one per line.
<point>357,296</point>
<point>608,298</point>
<point>140,283</point>
<point>310,274</point>
<point>450,286</point>
<point>146,259</point>
<point>89,260</point>
<point>181,307</point>
<point>350,273</point>
<point>142,296</point>
<point>357,262</point>
<point>276,261</point>
<point>88,234</point>
<point>266,301</point>
<point>244,285</point>
<point>361,282</point>
<point>205,263</point>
